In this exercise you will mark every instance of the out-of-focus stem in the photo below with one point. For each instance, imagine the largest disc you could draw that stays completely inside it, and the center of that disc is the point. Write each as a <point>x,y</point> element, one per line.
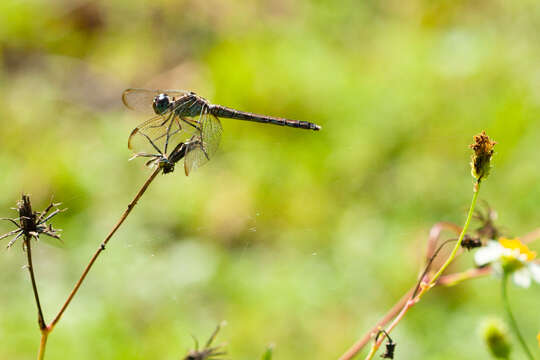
<point>435,234</point>
<point>511,319</point>
<point>531,236</point>
<point>454,279</point>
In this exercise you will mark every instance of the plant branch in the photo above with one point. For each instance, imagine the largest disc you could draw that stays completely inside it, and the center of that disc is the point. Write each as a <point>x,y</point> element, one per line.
<point>428,266</point>
<point>357,346</point>
<point>460,239</point>
<point>102,246</point>
<point>454,279</point>
<point>43,344</point>
<point>423,289</point>
<point>435,234</point>
<point>531,236</point>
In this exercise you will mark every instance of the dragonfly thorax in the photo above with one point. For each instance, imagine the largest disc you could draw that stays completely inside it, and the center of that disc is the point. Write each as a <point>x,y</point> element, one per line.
<point>161,103</point>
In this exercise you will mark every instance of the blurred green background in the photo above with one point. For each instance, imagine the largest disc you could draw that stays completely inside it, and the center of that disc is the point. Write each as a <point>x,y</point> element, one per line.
<point>296,238</point>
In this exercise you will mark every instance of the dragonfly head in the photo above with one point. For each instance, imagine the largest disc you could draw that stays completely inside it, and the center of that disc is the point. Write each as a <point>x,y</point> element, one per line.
<point>161,103</point>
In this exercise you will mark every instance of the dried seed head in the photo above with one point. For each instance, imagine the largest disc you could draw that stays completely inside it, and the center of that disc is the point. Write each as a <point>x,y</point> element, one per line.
<point>481,159</point>
<point>31,223</point>
<point>208,352</point>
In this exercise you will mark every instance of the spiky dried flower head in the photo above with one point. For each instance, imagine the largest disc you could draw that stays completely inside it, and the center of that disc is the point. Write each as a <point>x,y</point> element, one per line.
<point>496,338</point>
<point>208,352</point>
<point>31,224</point>
<point>481,159</point>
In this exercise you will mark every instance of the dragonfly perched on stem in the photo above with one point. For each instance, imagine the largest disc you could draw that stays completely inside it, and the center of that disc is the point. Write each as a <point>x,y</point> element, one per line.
<point>186,122</point>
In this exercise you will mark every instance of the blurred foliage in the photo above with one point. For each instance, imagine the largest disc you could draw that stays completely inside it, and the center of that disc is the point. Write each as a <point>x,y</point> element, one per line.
<point>297,238</point>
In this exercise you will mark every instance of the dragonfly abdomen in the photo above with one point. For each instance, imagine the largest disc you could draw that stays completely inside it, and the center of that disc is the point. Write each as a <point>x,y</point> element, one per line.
<point>225,112</point>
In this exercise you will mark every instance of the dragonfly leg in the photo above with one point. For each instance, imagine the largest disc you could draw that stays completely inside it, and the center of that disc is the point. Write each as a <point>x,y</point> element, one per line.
<point>148,155</point>
<point>151,142</point>
<point>168,135</point>
<point>197,142</point>
<point>189,123</point>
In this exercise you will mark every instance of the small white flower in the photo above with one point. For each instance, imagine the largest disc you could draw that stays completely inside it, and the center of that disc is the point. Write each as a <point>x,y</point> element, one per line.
<point>510,256</point>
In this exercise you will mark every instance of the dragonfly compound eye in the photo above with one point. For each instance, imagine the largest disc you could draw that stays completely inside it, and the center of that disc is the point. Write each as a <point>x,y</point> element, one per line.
<point>161,103</point>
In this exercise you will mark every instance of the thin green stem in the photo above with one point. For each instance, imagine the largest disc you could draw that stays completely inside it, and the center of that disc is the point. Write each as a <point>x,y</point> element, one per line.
<point>461,235</point>
<point>511,318</point>
<point>433,281</point>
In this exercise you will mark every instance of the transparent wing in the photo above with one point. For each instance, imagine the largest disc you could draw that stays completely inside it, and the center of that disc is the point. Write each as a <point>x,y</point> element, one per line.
<point>141,99</point>
<point>203,147</point>
<point>161,134</point>
<point>195,156</point>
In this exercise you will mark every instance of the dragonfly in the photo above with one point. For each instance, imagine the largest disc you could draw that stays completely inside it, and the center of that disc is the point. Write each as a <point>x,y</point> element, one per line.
<point>186,122</point>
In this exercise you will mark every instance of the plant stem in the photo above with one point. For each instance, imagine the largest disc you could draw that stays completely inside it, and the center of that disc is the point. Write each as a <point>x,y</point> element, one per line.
<point>461,235</point>
<point>434,235</point>
<point>409,304</point>
<point>456,278</point>
<point>511,318</point>
<point>433,281</point>
<point>102,247</point>
<point>28,245</point>
<point>357,346</point>
<point>43,344</point>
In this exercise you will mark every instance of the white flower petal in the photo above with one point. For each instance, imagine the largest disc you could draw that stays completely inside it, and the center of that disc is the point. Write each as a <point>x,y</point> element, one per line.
<point>488,254</point>
<point>522,277</point>
<point>534,268</point>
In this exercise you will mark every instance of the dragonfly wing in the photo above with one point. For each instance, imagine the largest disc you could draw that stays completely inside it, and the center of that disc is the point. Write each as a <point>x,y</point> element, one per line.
<point>211,133</point>
<point>202,148</point>
<point>142,99</point>
<point>195,157</point>
<point>159,134</point>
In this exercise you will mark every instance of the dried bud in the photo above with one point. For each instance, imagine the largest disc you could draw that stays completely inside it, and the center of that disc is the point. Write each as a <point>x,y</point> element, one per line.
<point>31,223</point>
<point>497,339</point>
<point>481,159</point>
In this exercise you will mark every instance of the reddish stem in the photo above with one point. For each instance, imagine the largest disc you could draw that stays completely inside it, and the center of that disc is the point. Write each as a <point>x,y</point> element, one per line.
<point>102,247</point>
<point>357,346</point>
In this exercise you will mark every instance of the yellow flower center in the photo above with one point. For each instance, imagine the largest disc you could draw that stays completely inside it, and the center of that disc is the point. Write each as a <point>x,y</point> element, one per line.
<point>518,246</point>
